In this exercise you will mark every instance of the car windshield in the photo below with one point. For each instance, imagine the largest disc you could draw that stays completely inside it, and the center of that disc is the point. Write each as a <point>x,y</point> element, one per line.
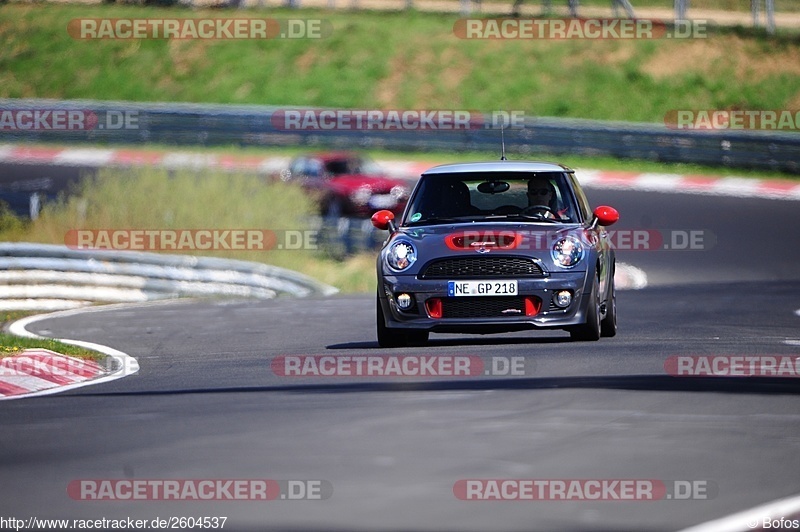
<point>353,165</point>
<point>538,197</point>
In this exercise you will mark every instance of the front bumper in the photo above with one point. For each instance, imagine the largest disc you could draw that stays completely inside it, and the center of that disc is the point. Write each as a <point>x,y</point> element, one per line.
<point>549,315</point>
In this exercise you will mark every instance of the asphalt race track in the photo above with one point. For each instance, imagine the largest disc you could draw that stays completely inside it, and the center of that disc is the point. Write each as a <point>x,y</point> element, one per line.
<point>206,403</point>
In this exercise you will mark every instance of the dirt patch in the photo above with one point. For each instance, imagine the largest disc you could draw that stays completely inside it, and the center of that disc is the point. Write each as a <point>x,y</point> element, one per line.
<point>454,69</point>
<point>723,54</point>
<point>794,102</point>
<point>306,61</point>
<point>387,91</point>
<point>186,55</point>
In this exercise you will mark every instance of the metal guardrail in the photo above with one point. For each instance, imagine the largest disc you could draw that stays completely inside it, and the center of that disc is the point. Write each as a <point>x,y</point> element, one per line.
<point>215,125</point>
<point>43,276</point>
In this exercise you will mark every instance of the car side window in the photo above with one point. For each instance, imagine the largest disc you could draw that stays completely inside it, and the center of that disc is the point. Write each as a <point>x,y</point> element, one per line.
<point>297,168</point>
<point>583,202</point>
<point>313,169</point>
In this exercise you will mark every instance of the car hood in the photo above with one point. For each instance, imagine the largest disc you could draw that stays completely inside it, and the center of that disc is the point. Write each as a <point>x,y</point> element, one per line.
<point>378,184</point>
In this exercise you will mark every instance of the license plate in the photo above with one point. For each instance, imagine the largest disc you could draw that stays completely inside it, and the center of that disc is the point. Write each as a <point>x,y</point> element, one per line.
<point>481,288</point>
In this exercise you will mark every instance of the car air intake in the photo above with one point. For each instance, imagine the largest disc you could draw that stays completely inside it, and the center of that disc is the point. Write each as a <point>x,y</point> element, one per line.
<point>481,267</point>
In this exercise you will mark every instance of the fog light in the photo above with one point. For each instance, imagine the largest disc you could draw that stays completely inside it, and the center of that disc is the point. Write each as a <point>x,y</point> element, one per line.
<point>434,307</point>
<point>563,298</point>
<point>532,306</point>
<point>404,301</point>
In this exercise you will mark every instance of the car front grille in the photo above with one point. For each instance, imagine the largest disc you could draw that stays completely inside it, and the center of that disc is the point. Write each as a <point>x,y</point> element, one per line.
<point>483,307</point>
<point>481,267</point>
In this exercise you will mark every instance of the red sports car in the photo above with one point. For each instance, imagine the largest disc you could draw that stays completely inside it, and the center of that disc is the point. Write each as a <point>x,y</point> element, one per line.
<point>347,184</point>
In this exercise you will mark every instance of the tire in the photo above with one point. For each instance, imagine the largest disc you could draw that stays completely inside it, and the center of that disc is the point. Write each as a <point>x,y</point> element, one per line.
<point>391,338</point>
<point>608,326</point>
<point>589,331</point>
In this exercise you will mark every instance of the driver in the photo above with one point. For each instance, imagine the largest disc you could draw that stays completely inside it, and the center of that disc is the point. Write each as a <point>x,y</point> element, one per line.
<point>541,192</point>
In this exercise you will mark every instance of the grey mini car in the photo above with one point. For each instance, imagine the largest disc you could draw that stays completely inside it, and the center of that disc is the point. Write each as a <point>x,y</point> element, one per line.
<point>495,247</point>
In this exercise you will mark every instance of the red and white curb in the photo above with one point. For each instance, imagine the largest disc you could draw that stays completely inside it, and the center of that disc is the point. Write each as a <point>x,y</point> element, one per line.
<point>37,372</point>
<point>785,189</point>
<point>692,184</point>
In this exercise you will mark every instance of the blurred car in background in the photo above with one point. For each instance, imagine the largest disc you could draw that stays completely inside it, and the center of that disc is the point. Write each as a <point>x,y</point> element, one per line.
<point>347,184</point>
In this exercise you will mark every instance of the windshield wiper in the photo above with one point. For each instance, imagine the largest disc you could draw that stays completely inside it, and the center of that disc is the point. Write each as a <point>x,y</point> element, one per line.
<point>538,218</point>
<point>440,220</point>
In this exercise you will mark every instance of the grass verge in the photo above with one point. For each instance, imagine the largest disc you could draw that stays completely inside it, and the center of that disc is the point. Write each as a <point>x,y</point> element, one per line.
<point>420,64</point>
<point>11,344</point>
<point>153,198</point>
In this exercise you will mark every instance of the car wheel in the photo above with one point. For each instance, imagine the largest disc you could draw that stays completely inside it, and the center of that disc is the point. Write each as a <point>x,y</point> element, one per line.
<point>608,327</point>
<point>391,338</point>
<point>589,331</point>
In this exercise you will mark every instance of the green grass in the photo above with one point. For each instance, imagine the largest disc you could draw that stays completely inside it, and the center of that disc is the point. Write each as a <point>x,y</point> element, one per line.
<point>11,345</point>
<point>418,63</point>
<point>10,316</point>
<point>158,199</point>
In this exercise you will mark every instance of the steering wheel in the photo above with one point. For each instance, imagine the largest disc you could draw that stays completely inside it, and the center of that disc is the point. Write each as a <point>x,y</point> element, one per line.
<point>528,211</point>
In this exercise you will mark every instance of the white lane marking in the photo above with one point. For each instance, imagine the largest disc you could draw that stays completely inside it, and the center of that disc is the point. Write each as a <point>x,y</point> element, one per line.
<point>792,341</point>
<point>737,186</point>
<point>273,165</point>
<point>658,182</point>
<point>678,184</point>
<point>752,518</point>
<point>86,156</point>
<point>194,161</point>
<point>126,364</point>
<point>6,152</point>
<point>629,277</point>
<point>587,177</point>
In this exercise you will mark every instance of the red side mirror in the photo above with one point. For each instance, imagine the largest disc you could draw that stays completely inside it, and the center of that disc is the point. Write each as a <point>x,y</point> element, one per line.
<point>382,219</point>
<point>606,215</point>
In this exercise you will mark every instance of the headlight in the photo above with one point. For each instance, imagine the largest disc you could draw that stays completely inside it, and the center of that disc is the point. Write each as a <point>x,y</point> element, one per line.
<point>361,195</point>
<point>567,252</point>
<point>399,192</point>
<point>401,255</point>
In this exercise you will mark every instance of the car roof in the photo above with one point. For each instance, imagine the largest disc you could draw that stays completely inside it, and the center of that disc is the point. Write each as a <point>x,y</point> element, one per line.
<point>328,156</point>
<point>497,166</point>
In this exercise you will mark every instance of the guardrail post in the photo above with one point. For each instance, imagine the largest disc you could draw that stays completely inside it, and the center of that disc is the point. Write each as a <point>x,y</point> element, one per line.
<point>681,7</point>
